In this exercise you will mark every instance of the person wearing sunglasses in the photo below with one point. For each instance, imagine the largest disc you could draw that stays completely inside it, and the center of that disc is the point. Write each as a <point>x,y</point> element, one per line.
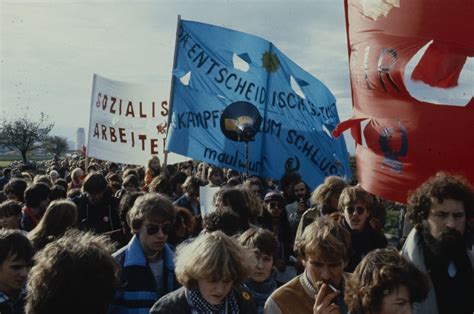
<point>147,261</point>
<point>356,205</point>
<point>275,219</point>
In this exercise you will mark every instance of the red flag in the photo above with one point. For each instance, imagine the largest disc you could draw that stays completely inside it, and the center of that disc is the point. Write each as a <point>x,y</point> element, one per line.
<point>412,82</point>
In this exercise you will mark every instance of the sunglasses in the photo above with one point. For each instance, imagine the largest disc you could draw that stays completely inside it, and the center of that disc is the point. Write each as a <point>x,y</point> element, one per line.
<point>154,229</point>
<point>358,209</point>
<point>274,205</point>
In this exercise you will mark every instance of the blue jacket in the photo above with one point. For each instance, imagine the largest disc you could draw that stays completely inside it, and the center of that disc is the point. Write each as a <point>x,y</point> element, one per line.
<point>138,291</point>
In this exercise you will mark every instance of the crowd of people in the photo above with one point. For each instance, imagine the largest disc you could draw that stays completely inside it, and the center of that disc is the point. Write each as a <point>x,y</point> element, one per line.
<point>98,237</point>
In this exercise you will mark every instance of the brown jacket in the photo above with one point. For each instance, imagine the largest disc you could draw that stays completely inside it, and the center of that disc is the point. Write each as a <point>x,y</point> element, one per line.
<point>298,296</point>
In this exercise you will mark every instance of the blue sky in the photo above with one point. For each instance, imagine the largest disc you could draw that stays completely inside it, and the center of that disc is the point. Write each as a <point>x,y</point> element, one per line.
<point>50,49</point>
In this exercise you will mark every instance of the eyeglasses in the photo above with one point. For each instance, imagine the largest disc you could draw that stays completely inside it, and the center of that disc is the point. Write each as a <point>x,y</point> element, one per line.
<point>154,229</point>
<point>274,205</point>
<point>358,209</point>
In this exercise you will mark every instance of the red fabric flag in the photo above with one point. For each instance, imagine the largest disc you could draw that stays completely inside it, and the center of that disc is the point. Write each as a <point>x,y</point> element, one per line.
<point>412,79</point>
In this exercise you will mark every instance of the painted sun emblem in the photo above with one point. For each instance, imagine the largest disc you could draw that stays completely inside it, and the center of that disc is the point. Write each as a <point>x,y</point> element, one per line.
<point>270,62</point>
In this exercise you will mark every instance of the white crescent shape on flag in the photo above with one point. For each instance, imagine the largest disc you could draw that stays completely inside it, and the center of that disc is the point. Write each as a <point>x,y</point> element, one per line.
<point>239,63</point>
<point>454,96</point>
<point>374,9</point>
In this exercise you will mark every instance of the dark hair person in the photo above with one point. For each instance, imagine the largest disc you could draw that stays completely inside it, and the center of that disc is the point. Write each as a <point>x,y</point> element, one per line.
<point>37,200</point>
<point>60,216</point>
<point>10,215</point>
<point>275,219</point>
<point>441,242</point>
<point>122,236</point>
<point>235,200</point>
<point>357,207</point>
<point>16,253</point>
<point>153,169</point>
<point>15,190</point>
<point>75,274</point>
<point>183,227</point>
<point>325,200</point>
<point>261,282</point>
<point>384,283</point>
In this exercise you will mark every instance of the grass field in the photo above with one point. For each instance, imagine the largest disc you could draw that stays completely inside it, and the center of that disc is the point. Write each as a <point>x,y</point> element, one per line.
<point>6,160</point>
<point>4,163</point>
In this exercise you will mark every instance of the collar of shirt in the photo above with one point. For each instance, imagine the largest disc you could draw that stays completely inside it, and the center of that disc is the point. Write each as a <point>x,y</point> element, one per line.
<point>4,298</point>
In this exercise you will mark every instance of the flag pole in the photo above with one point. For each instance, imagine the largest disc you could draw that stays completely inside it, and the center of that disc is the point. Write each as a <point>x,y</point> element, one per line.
<point>170,103</point>
<point>87,148</point>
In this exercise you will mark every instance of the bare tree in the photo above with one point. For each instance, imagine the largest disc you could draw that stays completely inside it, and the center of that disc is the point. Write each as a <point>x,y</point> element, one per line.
<point>23,134</point>
<point>56,145</point>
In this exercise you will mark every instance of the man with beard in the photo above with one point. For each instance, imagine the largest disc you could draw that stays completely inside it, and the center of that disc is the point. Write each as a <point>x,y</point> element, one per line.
<point>439,243</point>
<point>296,209</point>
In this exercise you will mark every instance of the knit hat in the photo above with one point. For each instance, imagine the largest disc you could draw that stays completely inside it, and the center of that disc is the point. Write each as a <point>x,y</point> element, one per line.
<point>274,196</point>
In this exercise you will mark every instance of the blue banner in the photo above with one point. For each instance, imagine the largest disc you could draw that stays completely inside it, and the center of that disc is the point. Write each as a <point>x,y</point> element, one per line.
<point>231,87</point>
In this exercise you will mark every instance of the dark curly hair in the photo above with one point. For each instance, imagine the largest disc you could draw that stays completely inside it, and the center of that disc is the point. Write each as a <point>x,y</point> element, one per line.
<point>439,187</point>
<point>381,272</point>
<point>223,219</point>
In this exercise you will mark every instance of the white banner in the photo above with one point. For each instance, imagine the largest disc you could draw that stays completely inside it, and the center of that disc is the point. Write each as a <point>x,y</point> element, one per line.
<point>206,199</point>
<point>128,123</point>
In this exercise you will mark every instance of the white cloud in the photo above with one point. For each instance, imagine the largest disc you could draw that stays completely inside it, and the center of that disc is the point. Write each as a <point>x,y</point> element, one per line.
<point>50,49</point>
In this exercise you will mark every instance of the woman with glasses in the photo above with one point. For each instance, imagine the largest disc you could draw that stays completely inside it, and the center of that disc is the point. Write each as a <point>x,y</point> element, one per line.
<point>356,205</point>
<point>147,261</point>
<point>211,269</point>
